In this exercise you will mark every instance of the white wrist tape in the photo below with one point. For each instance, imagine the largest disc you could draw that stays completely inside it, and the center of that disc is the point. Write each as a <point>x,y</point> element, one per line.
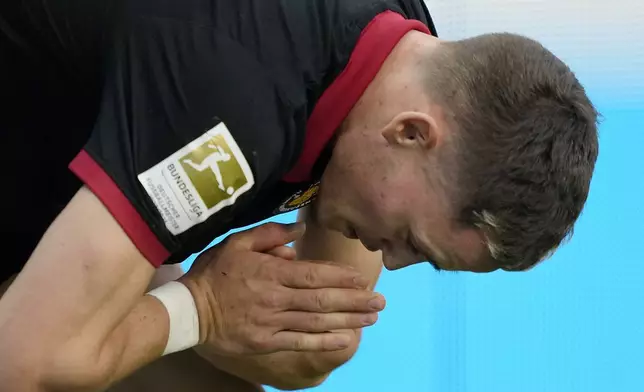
<point>182,311</point>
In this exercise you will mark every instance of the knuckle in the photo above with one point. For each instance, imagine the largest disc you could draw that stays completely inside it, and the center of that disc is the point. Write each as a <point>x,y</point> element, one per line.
<point>316,321</point>
<point>320,301</point>
<point>298,344</point>
<point>209,254</point>
<point>258,343</point>
<point>266,268</point>
<point>271,299</point>
<point>264,229</point>
<point>233,240</point>
<point>310,277</point>
<point>271,226</point>
<point>254,317</point>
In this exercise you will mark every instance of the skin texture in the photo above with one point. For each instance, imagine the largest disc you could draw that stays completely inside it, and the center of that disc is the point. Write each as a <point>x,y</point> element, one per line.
<point>89,323</point>
<point>92,325</point>
<point>184,371</point>
<point>400,133</point>
<point>286,370</point>
<point>291,370</point>
<point>83,287</point>
<point>251,302</point>
<point>382,184</point>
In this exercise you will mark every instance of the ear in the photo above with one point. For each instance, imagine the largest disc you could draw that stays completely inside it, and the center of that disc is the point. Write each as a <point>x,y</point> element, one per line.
<point>412,129</point>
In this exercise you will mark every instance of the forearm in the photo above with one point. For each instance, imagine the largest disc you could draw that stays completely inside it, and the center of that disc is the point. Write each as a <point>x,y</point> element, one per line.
<point>86,361</point>
<point>137,341</point>
<point>71,313</point>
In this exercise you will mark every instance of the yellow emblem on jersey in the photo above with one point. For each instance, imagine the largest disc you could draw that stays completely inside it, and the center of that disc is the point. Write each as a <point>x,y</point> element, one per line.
<point>300,199</point>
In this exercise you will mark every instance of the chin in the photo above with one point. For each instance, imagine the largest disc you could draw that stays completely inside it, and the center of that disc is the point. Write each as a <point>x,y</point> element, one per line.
<point>391,267</point>
<point>391,264</point>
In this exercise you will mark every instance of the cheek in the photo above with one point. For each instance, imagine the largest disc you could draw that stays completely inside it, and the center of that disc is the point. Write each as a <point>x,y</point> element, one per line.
<point>375,205</point>
<point>403,194</point>
<point>388,205</point>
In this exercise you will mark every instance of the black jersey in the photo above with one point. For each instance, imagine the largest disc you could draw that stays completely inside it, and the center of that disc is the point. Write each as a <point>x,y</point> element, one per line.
<point>207,115</point>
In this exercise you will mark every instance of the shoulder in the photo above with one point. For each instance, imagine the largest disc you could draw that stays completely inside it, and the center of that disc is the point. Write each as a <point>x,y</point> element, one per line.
<point>351,17</point>
<point>362,12</point>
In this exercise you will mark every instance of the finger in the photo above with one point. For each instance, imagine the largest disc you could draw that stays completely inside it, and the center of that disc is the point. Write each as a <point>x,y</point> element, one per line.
<point>283,252</point>
<point>335,300</point>
<point>332,263</point>
<point>323,322</point>
<point>299,341</point>
<point>312,275</point>
<point>268,236</point>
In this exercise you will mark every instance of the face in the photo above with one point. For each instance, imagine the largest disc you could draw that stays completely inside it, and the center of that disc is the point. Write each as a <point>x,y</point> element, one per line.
<point>377,188</point>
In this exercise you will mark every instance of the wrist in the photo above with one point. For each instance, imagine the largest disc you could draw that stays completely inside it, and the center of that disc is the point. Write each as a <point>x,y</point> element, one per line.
<point>182,314</point>
<point>200,296</point>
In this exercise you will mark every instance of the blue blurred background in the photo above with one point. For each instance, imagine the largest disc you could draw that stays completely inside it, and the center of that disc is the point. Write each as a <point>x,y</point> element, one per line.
<point>576,322</point>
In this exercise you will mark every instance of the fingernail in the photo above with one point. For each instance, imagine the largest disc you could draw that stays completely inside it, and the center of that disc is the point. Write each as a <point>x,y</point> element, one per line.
<point>369,319</point>
<point>377,303</point>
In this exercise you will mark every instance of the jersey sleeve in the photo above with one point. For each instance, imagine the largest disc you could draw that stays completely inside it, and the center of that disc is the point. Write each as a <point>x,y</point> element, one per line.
<point>189,130</point>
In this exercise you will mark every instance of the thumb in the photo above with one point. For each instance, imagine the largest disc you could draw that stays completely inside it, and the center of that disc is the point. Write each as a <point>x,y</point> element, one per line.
<point>271,235</point>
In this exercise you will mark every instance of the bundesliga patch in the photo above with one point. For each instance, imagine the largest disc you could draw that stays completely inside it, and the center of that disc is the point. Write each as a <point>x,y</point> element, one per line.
<point>200,179</point>
<point>300,199</point>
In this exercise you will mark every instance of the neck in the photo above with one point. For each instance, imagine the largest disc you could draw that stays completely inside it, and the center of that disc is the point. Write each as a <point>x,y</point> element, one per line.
<point>398,85</point>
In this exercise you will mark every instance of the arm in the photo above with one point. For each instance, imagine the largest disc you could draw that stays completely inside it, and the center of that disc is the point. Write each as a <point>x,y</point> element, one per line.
<point>76,318</point>
<point>184,371</point>
<point>291,370</point>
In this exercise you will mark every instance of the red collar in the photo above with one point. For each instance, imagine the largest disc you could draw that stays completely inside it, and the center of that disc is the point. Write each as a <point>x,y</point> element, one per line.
<point>376,42</point>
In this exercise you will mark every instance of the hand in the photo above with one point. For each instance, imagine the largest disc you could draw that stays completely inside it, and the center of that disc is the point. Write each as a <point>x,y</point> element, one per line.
<point>252,299</point>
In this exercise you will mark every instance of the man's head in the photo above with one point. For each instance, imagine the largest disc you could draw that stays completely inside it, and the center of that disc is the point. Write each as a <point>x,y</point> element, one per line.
<point>475,154</point>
